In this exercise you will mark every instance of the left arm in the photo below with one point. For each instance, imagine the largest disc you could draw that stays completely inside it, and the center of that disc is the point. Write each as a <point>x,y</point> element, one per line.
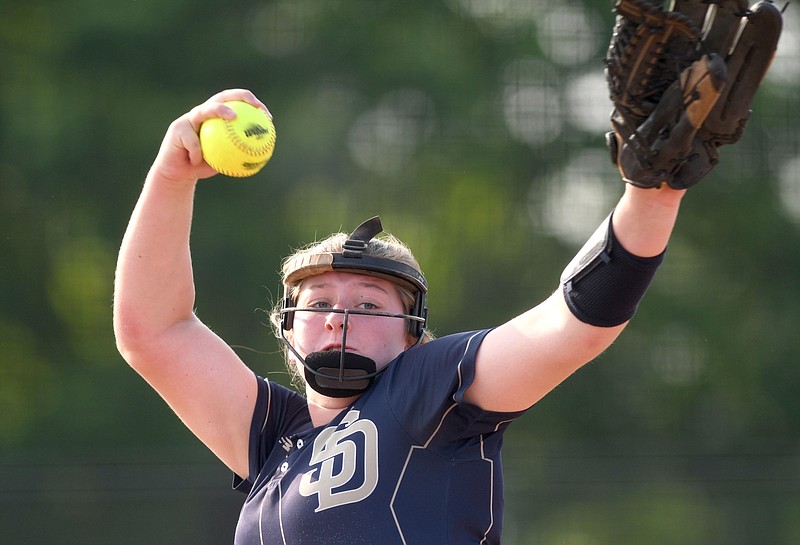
<point>525,358</point>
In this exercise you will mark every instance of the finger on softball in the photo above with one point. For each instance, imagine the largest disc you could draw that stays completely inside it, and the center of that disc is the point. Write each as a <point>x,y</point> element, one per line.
<point>190,141</point>
<point>208,110</point>
<point>245,95</point>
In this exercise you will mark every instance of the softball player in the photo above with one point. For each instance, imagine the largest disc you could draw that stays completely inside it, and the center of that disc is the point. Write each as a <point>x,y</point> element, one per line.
<point>397,437</point>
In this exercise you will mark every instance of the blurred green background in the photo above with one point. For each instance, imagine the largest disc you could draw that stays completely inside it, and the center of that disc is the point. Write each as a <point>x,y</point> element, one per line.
<point>475,128</point>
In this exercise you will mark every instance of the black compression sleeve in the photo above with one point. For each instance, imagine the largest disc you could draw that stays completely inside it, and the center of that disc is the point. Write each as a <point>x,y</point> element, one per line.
<point>608,289</point>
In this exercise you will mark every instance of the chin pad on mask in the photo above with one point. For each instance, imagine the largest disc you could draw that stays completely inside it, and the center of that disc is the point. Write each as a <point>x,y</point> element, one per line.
<point>322,370</point>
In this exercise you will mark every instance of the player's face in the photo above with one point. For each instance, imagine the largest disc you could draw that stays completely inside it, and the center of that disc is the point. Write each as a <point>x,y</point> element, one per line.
<point>379,338</point>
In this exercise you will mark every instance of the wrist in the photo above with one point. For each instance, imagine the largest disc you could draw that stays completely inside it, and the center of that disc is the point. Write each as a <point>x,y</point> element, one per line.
<point>644,219</point>
<point>165,178</point>
<point>662,197</point>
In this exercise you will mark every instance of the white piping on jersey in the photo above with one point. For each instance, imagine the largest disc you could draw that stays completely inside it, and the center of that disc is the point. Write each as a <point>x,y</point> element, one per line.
<point>261,507</point>
<point>491,492</point>
<point>491,481</point>
<point>497,427</point>
<point>269,403</point>
<point>260,517</point>
<point>280,513</point>
<point>405,466</point>
<point>425,446</point>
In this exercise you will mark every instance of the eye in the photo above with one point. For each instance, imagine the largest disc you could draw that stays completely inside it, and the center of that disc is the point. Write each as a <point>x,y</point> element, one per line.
<point>319,304</point>
<point>366,305</point>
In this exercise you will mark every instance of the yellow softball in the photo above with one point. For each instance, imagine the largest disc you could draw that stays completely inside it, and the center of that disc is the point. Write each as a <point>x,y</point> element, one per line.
<point>239,147</point>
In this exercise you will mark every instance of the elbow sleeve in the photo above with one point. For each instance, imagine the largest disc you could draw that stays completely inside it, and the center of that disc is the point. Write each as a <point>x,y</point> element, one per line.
<point>604,283</point>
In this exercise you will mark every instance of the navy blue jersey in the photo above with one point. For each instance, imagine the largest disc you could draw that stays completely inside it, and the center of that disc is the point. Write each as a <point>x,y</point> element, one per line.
<point>409,462</point>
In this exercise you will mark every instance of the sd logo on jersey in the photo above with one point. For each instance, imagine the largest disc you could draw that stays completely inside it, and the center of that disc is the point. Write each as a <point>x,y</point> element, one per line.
<point>336,453</point>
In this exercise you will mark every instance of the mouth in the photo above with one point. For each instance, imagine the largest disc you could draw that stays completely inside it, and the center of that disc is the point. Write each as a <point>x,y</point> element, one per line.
<point>337,348</point>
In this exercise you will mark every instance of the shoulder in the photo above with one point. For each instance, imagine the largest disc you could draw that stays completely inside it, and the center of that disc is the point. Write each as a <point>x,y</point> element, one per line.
<point>445,358</point>
<point>279,405</point>
<point>452,347</point>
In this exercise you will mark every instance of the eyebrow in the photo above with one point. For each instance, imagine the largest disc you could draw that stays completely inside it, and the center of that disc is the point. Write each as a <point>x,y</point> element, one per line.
<point>361,283</point>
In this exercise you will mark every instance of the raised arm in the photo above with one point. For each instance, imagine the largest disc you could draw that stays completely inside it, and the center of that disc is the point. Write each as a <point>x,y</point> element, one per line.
<point>677,97</point>
<point>525,358</point>
<point>157,332</point>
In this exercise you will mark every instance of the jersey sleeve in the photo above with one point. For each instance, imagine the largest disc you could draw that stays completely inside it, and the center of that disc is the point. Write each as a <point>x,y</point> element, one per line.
<point>427,385</point>
<point>278,413</point>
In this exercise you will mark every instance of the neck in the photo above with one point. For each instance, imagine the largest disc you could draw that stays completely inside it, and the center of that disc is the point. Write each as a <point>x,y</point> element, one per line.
<point>324,409</point>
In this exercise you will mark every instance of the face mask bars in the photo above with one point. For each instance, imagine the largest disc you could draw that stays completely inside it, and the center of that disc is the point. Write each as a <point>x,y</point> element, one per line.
<point>347,313</point>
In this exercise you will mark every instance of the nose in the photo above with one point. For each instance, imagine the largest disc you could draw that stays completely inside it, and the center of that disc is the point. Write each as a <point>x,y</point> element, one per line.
<point>337,320</point>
